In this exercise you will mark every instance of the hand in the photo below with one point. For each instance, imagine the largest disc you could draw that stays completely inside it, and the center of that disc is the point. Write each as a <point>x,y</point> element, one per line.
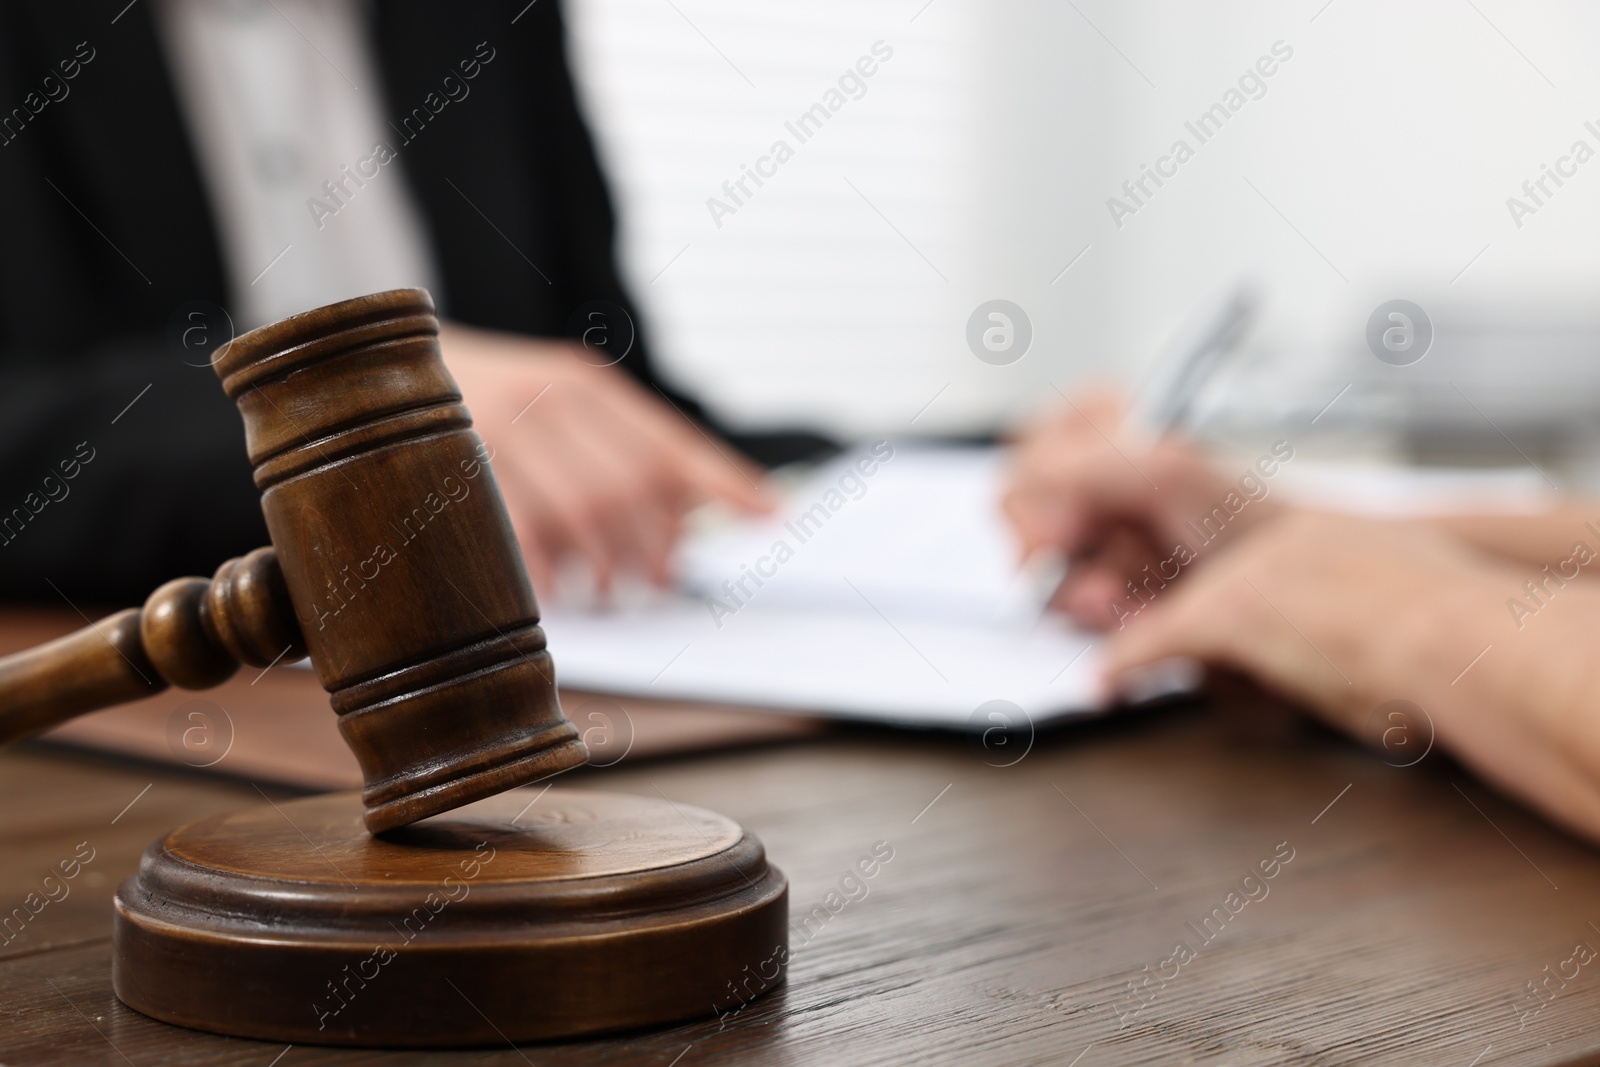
<point>588,462</point>
<point>1120,510</point>
<point>1314,606</point>
<point>1344,615</point>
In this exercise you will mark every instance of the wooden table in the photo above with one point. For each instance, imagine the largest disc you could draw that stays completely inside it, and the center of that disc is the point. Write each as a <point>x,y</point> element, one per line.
<point>1019,905</point>
<point>275,725</point>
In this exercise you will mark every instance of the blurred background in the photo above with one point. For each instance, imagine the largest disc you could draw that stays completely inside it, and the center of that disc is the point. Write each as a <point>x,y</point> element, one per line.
<point>820,202</point>
<point>1374,163</point>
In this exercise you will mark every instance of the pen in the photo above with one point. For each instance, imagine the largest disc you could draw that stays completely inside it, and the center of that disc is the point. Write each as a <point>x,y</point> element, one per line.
<point>1167,402</point>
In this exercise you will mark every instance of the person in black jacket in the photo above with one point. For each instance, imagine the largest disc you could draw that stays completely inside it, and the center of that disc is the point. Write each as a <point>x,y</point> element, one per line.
<point>122,463</point>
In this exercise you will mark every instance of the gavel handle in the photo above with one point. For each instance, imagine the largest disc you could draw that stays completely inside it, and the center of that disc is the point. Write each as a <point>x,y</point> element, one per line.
<point>191,633</point>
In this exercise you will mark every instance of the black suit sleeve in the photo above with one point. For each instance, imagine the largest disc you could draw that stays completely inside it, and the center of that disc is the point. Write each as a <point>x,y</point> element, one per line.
<point>119,474</point>
<point>108,236</point>
<point>518,212</point>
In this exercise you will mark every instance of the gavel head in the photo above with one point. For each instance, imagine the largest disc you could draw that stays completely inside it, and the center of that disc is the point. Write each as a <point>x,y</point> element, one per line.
<point>398,556</point>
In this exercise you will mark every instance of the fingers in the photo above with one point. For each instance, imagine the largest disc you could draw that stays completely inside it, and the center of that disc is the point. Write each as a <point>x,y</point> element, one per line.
<point>1161,631</point>
<point>1097,410</point>
<point>1090,594</point>
<point>1122,512</point>
<point>1224,617</point>
<point>1090,411</point>
<point>541,571</point>
<point>588,492</point>
<point>1069,499</point>
<point>632,497</point>
<point>597,467</point>
<point>718,473</point>
<point>1106,584</point>
<point>1071,476</point>
<point>559,513</point>
<point>709,469</point>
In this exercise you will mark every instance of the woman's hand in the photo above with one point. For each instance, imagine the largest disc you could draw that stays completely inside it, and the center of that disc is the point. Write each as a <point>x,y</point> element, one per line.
<point>588,462</point>
<point>1344,615</point>
<point>1120,509</point>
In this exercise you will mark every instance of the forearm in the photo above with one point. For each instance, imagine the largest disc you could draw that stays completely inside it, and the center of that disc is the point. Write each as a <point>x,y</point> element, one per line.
<point>1349,615</point>
<point>1530,540</point>
<point>1519,706</point>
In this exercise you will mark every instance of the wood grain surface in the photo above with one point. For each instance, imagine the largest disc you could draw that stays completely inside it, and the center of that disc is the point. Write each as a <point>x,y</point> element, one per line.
<point>279,727</point>
<point>535,914</point>
<point>1417,911</point>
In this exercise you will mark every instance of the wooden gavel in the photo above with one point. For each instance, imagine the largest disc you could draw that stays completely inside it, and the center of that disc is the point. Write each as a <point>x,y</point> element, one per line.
<point>393,564</point>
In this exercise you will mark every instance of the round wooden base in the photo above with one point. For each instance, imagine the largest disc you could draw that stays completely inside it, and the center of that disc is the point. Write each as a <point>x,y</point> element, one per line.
<point>535,914</point>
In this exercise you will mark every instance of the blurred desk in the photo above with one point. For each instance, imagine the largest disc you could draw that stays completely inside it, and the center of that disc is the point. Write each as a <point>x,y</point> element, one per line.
<point>1019,905</point>
<point>276,725</point>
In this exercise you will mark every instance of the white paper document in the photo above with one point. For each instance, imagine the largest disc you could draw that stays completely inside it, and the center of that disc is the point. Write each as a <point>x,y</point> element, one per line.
<point>886,588</point>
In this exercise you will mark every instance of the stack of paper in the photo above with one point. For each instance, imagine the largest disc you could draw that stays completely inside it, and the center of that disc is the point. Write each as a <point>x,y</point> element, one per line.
<point>886,588</point>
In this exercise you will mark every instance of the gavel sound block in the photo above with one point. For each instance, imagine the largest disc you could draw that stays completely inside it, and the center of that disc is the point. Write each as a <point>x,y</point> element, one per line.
<point>435,908</point>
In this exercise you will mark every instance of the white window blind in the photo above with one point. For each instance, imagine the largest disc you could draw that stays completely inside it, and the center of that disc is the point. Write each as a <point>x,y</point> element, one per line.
<point>834,293</point>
